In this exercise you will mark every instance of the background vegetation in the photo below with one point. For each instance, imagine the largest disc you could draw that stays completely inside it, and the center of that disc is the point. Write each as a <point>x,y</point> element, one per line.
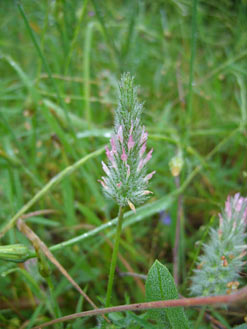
<point>60,62</point>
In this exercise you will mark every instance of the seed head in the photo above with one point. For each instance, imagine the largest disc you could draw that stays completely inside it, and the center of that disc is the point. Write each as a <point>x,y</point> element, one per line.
<point>127,180</point>
<point>224,253</point>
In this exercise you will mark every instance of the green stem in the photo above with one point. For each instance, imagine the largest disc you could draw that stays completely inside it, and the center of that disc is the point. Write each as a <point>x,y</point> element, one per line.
<point>192,63</point>
<point>114,257</point>
<point>86,65</point>
<point>54,303</point>
<point>200,316</point>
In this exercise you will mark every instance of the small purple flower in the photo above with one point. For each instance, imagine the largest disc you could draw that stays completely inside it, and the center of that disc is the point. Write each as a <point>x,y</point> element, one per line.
<point>165,218</point>
<point>127,179</point>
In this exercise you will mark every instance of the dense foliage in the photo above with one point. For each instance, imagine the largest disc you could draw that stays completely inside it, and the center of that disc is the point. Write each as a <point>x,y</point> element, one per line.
<point>60,63</point>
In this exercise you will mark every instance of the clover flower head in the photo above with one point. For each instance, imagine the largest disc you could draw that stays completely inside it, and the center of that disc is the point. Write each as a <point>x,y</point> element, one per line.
<point>126,178</point>
<point>218,268</point>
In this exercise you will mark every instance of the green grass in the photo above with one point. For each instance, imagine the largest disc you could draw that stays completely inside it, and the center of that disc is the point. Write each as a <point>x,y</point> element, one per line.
<point>60,62</point>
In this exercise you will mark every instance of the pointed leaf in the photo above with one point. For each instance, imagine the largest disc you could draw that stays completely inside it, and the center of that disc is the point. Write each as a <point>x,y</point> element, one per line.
<point>160,286</point>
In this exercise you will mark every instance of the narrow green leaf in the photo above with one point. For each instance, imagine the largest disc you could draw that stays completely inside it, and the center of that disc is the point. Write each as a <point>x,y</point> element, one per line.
<point>88,213</point>
<point>42,221</point>
<point>28,279</point>
<point>130,218</point>
<point>76,121</point>
<point>160,286</point>
<point>86,65</point>
<point>35,315</point>
<point>28,83</point>
<point>68,202</point>
<point>54,181</point>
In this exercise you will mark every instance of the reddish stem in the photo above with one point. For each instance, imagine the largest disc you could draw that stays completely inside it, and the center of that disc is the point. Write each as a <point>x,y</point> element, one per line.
<point>184,302</point>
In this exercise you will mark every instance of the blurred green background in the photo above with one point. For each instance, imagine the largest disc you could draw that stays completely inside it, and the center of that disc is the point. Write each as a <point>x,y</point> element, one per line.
<point>60,63</point>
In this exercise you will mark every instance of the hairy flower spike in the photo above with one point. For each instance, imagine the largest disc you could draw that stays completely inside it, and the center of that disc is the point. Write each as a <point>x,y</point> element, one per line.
<point>223,255</point>
<point>127,179</point>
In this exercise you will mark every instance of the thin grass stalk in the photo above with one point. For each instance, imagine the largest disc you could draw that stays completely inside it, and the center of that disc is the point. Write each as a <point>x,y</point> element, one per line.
<point>114,257</point>
<point>86,65</point>
<point>73,42</point>
<point>113,49</point>
<point>42,41</point>
<point>54,302</point>
<point>200,317</point>
<point>192,63</point>
<point>54,181</point>
<point>48,70</point>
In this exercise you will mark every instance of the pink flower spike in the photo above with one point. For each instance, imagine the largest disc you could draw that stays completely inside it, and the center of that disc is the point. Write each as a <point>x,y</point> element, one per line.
<point>120,134</point>
<point>142,150</point>
<point>131,143</point>
<point>105,168</point>
<point>119,184</point>
<point>149,176</point>
<point>113,145</point>
<point>124,156</point>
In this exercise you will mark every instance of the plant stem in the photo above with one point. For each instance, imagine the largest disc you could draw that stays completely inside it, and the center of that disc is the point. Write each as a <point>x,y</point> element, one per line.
<point>184,302</point>
<point>86,65</point>
<point>192,62</point>
<point>54,303</point>
<point>178,235</point>
<point>114,257</point>
<point>200,316</point>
